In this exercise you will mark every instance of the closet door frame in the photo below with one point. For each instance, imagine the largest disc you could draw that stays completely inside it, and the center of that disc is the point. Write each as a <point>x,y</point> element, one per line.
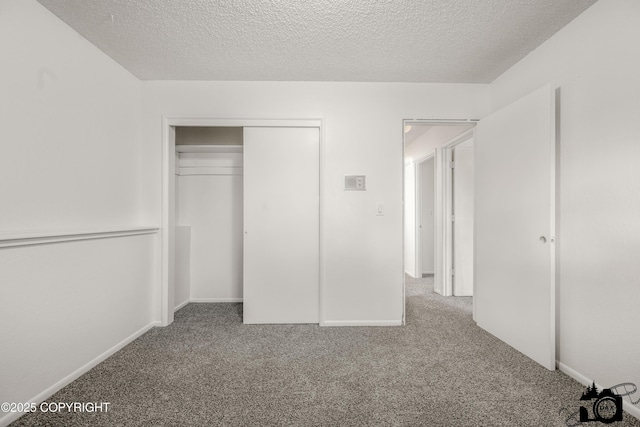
<point>167,262</point>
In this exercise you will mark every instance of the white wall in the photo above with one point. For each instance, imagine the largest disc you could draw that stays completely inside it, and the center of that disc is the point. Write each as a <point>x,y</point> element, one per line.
<point>594,62</point>
<point>363,135</point>
<point>182,294</point>
<point>209,202</point>
<point>70,122</point>
<point>212,206</point>
<point>427,187</point>
<point>70,131</point>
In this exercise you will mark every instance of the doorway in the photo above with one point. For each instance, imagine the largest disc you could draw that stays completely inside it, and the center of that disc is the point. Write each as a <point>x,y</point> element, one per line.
<point>429,148</point>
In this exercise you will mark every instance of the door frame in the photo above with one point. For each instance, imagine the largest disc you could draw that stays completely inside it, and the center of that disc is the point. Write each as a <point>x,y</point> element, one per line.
<point>167,256</point>
<point>447,199</point>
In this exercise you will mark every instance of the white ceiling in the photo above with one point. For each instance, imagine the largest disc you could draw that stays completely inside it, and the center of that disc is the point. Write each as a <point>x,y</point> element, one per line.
<point>438,41</point>
<point>413,132</point>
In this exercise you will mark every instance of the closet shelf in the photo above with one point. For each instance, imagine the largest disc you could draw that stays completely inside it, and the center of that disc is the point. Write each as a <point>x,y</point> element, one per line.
<point>28,238</point>
<point>209,148</point>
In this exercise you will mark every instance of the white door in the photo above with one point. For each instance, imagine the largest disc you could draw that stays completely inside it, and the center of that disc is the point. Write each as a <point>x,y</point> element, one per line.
<point>281,225</point>
<point>515,225</point>
<point>463,219</point>
<point>427,224</point>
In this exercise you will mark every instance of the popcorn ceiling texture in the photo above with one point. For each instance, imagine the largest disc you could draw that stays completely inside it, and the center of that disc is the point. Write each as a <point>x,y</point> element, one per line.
<point>438,41</point>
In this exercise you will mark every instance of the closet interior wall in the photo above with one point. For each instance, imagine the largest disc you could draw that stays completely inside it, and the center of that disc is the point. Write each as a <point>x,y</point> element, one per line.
<point>209,215</point>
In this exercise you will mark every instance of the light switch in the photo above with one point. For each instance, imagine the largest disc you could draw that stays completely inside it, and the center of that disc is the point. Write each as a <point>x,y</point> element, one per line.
<point>379,209</point>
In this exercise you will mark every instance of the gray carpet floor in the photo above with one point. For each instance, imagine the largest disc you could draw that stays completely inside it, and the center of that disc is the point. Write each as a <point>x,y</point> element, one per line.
<point>208,369</point>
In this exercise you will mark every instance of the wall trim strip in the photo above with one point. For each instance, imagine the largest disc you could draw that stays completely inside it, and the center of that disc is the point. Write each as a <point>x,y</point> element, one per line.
<point>29,238</point>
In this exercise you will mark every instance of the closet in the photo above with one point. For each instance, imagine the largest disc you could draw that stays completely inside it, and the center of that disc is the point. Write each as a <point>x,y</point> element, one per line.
<point>208,214</point>
<point>247,220</point>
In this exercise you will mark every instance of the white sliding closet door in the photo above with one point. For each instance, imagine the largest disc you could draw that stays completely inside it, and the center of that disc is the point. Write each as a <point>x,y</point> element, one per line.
<point>281,225</point>
<point>515,225</point>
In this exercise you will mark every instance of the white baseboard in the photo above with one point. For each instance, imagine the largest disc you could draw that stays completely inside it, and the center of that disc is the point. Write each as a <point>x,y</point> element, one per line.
<point>215,300</point>
<point>428,272</point>
<point>362,323</point>
<point>626,405</point>
<point>574,374</point>
<point>50,391</point>
<point>632,410</point>
<point>413,274</point>
<point>179,306</point>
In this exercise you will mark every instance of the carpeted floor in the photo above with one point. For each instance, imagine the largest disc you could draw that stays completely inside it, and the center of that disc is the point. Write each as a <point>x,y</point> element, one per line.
<point>424,288</point>
<point>208,369</point>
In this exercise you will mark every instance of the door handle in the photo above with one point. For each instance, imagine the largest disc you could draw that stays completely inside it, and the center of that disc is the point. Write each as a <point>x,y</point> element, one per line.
<point>543,239</point>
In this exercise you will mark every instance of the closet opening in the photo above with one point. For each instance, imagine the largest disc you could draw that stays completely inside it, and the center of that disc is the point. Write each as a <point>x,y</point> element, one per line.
<point>235,226</point>
<point>208,214</point>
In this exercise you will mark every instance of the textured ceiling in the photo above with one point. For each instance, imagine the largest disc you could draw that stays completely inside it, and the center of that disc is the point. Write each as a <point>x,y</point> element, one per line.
<point>439,41</point>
